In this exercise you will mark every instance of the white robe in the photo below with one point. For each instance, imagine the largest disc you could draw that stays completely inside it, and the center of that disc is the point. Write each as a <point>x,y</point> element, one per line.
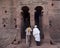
<point>36,34</point>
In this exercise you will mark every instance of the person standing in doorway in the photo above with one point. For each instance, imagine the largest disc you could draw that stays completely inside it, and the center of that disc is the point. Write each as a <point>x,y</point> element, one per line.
<point>36,34</point>
<point>28,35</point>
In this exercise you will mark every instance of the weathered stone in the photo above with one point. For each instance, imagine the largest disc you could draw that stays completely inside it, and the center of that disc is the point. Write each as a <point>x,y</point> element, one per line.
<point>7,36</point>
<point>11,27</point>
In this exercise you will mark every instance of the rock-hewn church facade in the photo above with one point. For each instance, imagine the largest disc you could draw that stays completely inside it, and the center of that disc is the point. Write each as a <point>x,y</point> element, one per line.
<point>16,15</point>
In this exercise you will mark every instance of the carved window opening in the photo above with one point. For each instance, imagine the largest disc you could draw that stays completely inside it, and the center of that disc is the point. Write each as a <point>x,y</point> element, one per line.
<point>38,18</point>
<point>25,21</point>
<point>38,15</point>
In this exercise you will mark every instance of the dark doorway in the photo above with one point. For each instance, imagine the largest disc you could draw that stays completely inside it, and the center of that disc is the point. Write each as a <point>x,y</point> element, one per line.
<point>38,18</point>
<point>26,20</point>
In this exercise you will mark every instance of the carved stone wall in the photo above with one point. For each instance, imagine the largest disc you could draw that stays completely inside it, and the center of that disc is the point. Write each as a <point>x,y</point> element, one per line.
<point>54,21</point>
<point>11,18</point>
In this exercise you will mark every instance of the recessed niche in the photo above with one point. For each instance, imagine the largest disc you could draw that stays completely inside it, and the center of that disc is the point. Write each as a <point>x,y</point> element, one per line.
<point>5,11</point>
<point>52,4</point>
<point>4,25</point>
<point>26,20</point>
<point>15,26</point>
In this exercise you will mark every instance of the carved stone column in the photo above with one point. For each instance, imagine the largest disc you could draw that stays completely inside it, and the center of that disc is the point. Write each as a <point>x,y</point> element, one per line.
<point>18,22</point>
<point>32,22</point>
<point>46,25</point>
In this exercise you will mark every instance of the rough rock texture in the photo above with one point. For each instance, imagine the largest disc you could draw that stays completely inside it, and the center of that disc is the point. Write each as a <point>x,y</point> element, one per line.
<point>7,37</point>
<point>11,19</point>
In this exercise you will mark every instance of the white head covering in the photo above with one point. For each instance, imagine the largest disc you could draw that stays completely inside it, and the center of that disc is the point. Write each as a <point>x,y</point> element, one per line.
<point>35,26</point>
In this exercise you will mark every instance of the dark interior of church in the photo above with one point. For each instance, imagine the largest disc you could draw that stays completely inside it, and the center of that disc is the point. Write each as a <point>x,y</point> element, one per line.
<point>26,20</point>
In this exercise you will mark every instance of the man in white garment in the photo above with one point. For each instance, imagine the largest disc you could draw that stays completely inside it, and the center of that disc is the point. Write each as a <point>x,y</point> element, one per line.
<point>36,34</point>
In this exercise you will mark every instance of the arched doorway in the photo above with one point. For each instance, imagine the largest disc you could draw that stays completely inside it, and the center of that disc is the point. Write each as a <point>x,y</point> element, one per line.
<point>25,21</point>
<point>38,19</point>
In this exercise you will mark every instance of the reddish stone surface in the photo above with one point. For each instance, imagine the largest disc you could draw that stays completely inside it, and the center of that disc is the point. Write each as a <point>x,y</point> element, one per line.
<point>11,22</point>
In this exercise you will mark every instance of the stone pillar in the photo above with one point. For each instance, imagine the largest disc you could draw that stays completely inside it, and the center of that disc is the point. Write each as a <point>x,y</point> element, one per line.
<point>18,23</point>
<point>45,20</point>
<point>18,29</point>
<point>32,22</point>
